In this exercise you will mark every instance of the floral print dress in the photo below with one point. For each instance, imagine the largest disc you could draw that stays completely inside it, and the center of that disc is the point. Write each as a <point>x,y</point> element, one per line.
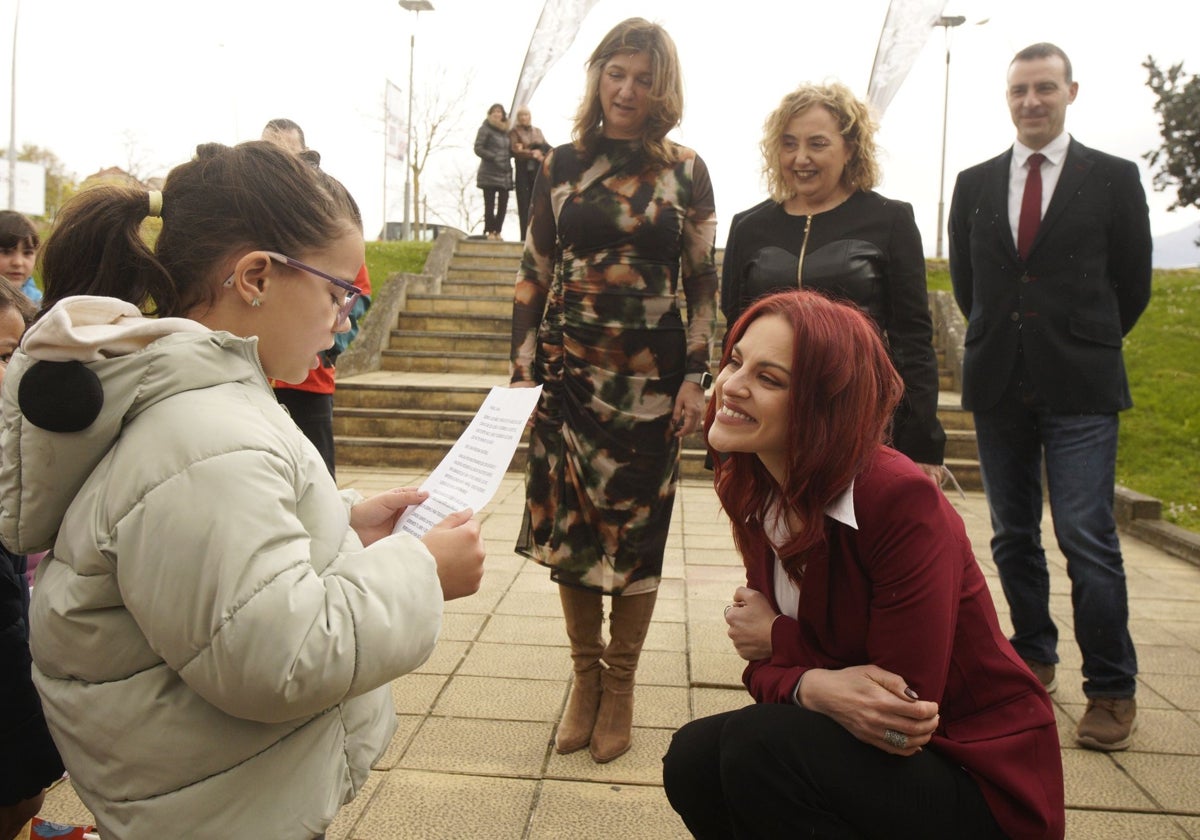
<point>597,321</point>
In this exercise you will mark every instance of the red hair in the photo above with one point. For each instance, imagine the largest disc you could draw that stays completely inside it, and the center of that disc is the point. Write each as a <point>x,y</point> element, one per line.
<point>843,389</point>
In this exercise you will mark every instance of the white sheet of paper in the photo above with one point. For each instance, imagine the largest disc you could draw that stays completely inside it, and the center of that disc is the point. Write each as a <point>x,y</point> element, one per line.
<point>471,471</point>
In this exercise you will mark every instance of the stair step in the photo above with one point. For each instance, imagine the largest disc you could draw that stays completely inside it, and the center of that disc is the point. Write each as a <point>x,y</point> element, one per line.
<point>425,321</point>
<point>480,286</point>
<point>454,342</point>
<point>425,454</point>
<point>499,305</point>
<point>438,361</point>
<point>425,396</point>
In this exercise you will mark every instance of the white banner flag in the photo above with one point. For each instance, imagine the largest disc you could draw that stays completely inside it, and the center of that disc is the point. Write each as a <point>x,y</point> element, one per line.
<point>394,122</point>
<point>905,31</point>
<point>555,30</point>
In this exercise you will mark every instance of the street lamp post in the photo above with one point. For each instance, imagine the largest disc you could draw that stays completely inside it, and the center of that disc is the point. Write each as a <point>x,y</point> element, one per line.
<point>946,23</point>
<point>12,120</point>
<point>416,6</point>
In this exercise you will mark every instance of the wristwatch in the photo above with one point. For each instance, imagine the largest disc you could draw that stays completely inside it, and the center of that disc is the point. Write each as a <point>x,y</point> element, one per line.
<point>704,380</point>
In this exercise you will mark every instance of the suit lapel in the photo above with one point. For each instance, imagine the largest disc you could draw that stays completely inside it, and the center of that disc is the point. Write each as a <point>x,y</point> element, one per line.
<point>997,186</point>
<point>1076,166</point>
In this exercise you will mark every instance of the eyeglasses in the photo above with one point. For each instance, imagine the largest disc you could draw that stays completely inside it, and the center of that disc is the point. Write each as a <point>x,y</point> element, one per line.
<point>352,291</point>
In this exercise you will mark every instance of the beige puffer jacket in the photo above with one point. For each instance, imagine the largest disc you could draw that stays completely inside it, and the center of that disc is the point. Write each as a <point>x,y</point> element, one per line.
<point>212,643</point>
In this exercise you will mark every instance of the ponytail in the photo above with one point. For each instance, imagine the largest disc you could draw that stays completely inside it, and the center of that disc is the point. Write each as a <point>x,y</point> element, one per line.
<point>96,248</point>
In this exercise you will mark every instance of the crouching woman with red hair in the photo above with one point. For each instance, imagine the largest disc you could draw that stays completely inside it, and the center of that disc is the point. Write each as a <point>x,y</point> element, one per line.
<point>888,701</point>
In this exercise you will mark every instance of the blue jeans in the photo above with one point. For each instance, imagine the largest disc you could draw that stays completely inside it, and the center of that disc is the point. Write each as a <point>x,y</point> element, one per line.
<point>1080,454</point>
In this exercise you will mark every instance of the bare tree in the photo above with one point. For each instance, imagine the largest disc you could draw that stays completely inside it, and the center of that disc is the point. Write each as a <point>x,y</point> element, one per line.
<point>460,205</point>
<point>438,114</point>
<point>137,159</point>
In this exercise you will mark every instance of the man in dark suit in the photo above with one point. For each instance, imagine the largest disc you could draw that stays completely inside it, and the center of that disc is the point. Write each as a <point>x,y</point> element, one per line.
<point>1050,262</point>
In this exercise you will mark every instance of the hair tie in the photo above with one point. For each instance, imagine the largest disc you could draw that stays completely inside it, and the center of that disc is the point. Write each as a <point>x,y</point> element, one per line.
<point>155,199</point>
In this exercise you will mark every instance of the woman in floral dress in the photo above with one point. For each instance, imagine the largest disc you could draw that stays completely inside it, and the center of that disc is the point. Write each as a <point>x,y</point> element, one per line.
<point>622,222</point>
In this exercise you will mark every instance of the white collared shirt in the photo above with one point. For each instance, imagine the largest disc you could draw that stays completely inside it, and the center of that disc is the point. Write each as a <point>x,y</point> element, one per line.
<point>1052,167</point>
<point>787,593</point>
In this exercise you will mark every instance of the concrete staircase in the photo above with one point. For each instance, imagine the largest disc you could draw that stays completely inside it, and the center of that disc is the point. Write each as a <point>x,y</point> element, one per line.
<point>448,347</point>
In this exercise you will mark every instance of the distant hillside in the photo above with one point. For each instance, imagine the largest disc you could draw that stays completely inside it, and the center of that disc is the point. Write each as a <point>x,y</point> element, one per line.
<point>1178,249</point>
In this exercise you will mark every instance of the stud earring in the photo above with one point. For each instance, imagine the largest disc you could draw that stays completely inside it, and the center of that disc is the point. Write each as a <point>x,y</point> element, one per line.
<point>256,302</point>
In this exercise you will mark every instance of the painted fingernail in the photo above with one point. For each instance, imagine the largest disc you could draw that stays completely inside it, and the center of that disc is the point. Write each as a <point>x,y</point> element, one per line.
<point>909,693</point>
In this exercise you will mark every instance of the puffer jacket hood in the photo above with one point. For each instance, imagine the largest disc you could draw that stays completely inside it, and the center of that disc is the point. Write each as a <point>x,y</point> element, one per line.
<point>136,361</point>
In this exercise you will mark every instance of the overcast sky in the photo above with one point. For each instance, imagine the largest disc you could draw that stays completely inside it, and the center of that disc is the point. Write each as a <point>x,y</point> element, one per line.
<point>97,81</point>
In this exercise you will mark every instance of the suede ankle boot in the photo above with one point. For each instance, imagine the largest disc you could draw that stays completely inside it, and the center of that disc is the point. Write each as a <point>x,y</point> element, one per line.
<point>612,735</point>
<point>583,610</point>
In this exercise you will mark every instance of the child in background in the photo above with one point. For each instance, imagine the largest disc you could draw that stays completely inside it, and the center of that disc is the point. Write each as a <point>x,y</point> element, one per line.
<point>29,762</point>
<point>18,250</point>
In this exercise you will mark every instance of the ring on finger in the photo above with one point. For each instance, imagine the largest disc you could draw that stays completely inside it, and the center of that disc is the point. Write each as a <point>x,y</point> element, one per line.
<point>896,739</point>
<point>728,607</point>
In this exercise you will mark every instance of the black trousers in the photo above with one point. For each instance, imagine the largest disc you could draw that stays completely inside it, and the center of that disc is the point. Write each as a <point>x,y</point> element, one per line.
<point>773,770</point>
<point>524,185</point>
<point>313,413</point>
<point>495,205</point>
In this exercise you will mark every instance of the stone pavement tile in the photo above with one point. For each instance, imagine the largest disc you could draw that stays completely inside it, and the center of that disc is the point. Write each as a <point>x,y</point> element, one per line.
<point>530,603</point>
<point>1115,825</point>
<point>671,589</point>
<point>730,575</point>
<point>1148,632</point>
<point>342,827</point>
<point>480,747</point>
<point>461,627</point>
<point>1188,632</point>
<point>527,662</point>
<point>1191,825</point>
<point>591,811</point>
<point>1164,610</point>
<point>662,667</point>
<point>642,765</point>
<point>1170,779</point>
<point>1093,780</point>
<point>502,566</point>
<point>669,610</point>
<point>718,590</point>
<point>406,727</point>
<point>414,694</point>
<point>498,698</point>
<point>709,635</point>
<point>1168,659</point>
<point>534,578</point>
<point>717,669</point>
<point>661,706</point>
<point>666,635</point>
<point>412,805</point>
<point>525,630</point>
<point>62,805</point>
<point>1181,691</point>
<point>713,555</point>
<point>713,701</point>
<point>445,658</point>
<point>484,601</point>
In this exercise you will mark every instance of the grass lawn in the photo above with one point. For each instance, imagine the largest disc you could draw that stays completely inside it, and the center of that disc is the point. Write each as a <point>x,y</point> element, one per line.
<point>1159,450</point>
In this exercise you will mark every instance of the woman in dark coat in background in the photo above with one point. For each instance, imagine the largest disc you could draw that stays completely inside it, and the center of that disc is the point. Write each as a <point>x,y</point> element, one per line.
<point>495,172</point>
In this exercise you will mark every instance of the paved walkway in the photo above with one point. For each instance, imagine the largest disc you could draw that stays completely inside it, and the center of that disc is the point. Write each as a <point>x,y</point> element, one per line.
<point>474,757</point>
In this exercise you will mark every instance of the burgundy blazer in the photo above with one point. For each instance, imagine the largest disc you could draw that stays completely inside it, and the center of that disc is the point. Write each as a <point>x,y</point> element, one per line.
<point>904,592</point>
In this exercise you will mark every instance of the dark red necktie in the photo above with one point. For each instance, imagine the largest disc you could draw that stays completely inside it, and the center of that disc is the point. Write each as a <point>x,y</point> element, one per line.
<point>1031,205</point>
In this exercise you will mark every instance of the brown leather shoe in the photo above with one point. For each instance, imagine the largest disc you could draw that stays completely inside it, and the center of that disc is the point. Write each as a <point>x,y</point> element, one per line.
<point>1108,724</point>
<point>1044,671</point>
